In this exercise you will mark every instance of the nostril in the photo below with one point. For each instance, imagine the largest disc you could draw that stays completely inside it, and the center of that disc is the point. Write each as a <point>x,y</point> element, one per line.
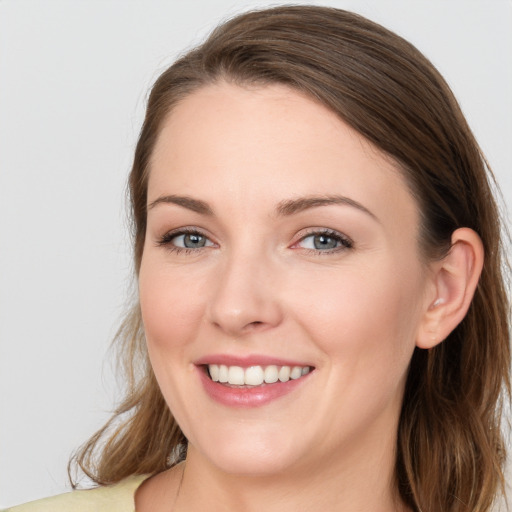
<point>254,325</point>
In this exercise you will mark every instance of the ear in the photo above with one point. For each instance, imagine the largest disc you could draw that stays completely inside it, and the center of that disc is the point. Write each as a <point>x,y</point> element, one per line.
<point>454,280</point>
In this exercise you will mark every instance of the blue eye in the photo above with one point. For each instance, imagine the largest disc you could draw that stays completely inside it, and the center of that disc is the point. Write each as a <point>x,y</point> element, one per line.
<point>325,241</point>
<point>190,241</point>
<point>185,240</point>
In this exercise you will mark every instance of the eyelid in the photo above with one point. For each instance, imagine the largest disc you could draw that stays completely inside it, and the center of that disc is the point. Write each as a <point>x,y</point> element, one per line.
<point>165,240</point>
<point>346,241</point>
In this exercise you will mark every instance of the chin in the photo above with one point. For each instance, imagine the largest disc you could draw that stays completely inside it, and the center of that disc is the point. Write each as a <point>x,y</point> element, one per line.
<point>261,465</point>
<point>250,453</point>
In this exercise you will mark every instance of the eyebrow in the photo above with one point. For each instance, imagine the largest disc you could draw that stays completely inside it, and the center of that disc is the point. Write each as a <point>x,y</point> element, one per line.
<point>292,206</point>
<point>186,202</point>
<point>284,208</point>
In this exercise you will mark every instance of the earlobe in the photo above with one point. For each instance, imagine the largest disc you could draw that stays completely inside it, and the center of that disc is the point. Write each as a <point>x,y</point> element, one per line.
<point>454,279</point>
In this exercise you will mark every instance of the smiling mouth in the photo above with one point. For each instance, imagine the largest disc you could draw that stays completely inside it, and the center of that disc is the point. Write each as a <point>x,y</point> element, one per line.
<point>254,375</point>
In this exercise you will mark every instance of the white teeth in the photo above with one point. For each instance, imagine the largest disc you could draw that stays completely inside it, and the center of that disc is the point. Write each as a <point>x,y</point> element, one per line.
<point>236,375</point>
<point>284,374</point>
<point>255,375</point>
<point>223,373</point>
<point>271,374</point>
<point>214,372</point>
<point>296,372</point>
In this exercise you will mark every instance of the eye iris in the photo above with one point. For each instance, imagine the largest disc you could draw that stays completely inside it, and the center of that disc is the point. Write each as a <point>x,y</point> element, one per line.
<point>193,240</point>
<point>325,242</point>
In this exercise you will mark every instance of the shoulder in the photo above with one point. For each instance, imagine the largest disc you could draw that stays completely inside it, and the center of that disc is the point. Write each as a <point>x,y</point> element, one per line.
<point>112,498</point>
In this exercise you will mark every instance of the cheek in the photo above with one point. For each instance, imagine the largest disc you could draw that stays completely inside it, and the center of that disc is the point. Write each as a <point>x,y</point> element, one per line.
<point>171,314</point>
<point>366,316</point>
<point>170,304</point>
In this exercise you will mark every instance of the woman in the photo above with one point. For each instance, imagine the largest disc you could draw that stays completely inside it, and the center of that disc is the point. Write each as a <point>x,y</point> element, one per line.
<point>321,299</point>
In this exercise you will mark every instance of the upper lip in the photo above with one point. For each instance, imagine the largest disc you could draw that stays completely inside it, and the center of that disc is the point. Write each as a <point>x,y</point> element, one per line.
<point>247,361</point>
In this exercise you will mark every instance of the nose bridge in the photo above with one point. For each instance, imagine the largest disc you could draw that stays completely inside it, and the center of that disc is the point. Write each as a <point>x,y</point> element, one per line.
<point>245,295</point>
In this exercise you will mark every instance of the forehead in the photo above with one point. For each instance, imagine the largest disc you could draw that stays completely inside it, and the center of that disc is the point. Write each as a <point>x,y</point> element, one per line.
<point>260,145</point>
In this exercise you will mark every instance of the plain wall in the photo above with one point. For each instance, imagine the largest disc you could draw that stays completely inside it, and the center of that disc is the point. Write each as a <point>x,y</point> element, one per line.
<point>73,82</point>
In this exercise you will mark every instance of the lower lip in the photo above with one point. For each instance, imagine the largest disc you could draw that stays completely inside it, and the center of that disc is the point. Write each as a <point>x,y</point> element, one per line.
<point>251,396</point>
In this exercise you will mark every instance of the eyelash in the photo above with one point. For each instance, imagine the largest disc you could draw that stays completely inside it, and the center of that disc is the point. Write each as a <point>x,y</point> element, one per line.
<point>344,241</point>
<point>166,240</point>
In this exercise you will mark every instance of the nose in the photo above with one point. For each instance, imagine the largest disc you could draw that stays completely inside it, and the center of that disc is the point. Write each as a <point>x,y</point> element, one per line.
<point>245,298</point>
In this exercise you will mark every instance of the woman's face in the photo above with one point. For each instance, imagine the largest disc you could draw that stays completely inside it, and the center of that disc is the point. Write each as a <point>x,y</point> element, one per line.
<point>280,244</point>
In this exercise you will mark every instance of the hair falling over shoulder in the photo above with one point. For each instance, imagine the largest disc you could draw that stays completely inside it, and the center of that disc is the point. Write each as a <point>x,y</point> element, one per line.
<point>450,443</point>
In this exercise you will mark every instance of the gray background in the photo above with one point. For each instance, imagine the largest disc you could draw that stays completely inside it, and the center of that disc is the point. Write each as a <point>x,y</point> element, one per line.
<point>73,81</point>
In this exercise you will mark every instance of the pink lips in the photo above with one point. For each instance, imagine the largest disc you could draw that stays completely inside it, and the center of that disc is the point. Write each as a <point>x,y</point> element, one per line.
<point>250,396</point>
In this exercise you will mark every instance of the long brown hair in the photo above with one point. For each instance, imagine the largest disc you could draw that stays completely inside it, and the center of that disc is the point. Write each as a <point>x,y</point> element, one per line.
<point>450,448</point>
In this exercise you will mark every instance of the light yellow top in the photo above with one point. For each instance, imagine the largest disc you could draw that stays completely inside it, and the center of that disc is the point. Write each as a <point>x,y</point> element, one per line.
<point>112,498</point>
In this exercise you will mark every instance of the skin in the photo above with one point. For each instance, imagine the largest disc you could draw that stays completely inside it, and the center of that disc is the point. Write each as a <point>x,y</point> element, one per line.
<point>260,287</point>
